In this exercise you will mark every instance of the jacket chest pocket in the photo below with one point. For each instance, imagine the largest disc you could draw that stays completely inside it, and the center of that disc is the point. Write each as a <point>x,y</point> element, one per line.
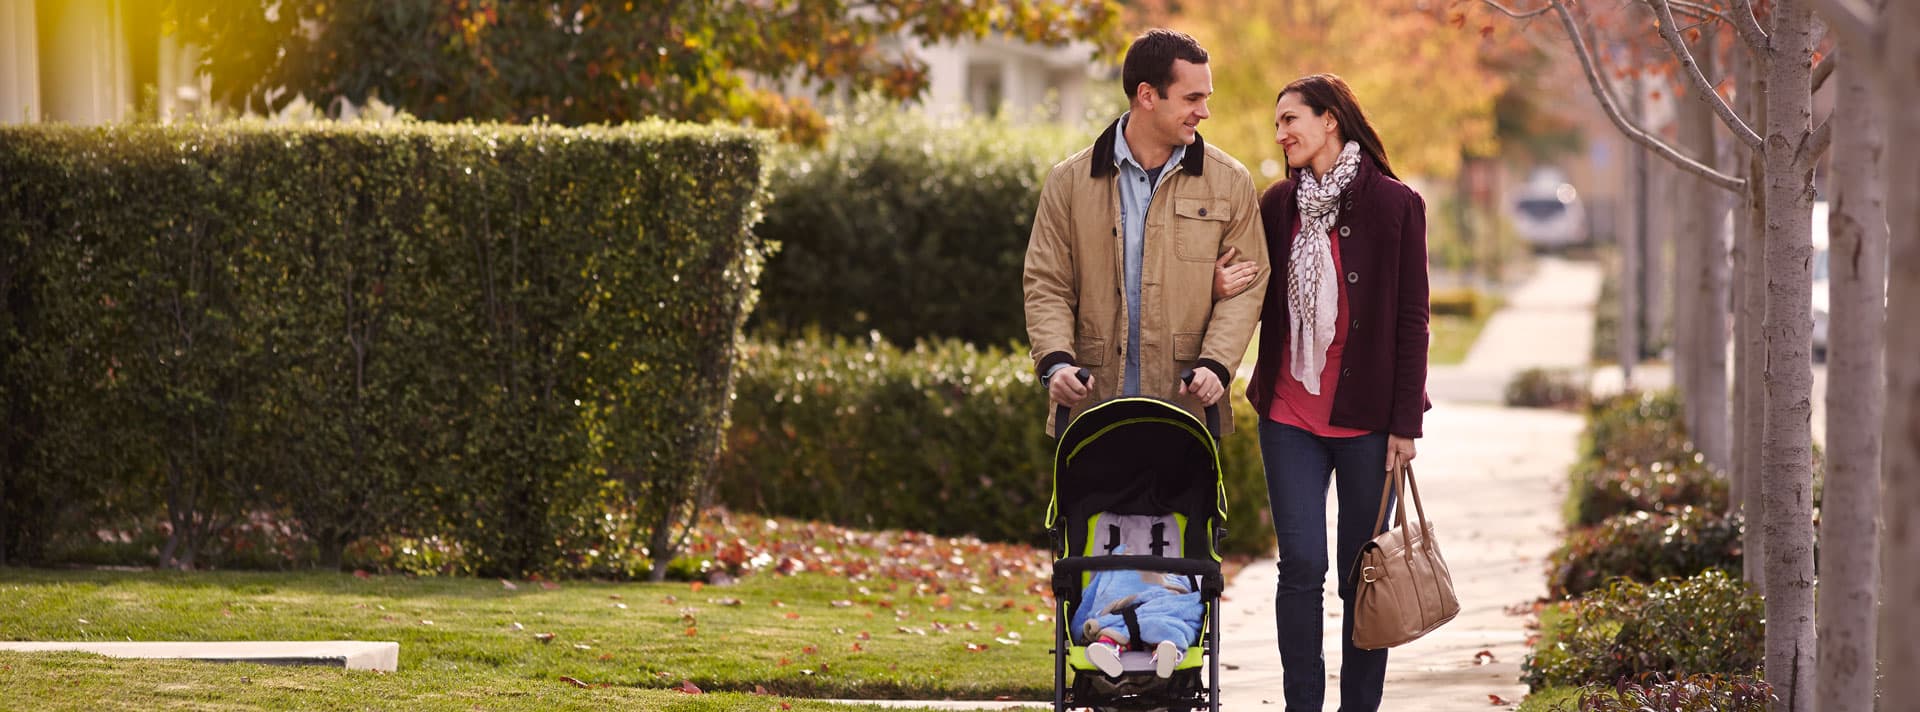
<point>1197,225</point>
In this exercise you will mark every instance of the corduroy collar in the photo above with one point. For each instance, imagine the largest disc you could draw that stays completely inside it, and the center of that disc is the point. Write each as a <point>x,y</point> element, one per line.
<point>1104,166</point>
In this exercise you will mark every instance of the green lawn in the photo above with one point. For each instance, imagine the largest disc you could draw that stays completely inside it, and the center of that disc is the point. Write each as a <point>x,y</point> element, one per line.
<point>465,641</point>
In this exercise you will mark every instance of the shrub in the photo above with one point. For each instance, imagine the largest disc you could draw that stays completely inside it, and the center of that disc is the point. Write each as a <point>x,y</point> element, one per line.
<point>1697,693</point>
<point>912,226</point>
<point>1707,624</point>
<point>1545,388</point>
<point>1646,546</point>
<point>1464,301</point>
<point>479,331</point>
<point>943,437</point>
<point>1636,429</point>
<point>1599,492</point>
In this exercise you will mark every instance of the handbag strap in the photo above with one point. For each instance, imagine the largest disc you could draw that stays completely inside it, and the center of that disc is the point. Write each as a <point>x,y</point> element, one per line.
<point>1386,493</point>
<point>1401,479</point>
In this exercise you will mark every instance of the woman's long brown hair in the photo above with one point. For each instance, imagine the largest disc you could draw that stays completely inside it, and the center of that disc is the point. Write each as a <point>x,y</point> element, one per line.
<point>1327,92</point>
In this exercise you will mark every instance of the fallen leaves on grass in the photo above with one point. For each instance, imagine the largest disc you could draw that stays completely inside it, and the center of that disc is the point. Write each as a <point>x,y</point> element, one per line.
<point>573,681</point>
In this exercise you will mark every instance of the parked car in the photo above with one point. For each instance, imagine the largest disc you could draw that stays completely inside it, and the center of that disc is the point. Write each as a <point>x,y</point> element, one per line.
<point>1547,212</point>
<point>1820,272</point>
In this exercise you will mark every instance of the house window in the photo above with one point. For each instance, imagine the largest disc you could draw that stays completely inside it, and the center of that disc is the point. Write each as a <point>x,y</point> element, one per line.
<point>985,91</point>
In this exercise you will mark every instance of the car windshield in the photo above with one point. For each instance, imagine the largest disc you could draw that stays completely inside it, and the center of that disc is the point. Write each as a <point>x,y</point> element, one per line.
<point>1542,208</point>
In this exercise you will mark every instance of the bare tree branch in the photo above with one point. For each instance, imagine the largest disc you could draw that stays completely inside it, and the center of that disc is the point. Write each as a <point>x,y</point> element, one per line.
<point>1749,27</point>
<point>1816,144</point>
<point>1824,69</point>
<point>1517,14</point>
<point>1604,94</point>
<point>1702,86</point>
<point>1703,12</point>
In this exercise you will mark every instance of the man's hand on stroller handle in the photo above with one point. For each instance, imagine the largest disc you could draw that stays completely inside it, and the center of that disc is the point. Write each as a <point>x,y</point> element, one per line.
<point>1070,385</point>
<point>1205,385</point>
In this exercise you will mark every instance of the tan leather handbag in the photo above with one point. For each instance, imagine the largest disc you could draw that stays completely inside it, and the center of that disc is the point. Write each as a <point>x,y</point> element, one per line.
<point>1404,590</point>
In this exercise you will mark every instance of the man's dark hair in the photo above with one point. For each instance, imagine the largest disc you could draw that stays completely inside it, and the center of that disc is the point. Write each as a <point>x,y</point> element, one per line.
<point>1151,57</point>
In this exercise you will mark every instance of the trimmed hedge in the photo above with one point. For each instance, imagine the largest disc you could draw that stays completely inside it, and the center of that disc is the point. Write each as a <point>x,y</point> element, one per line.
<point>911,226</point>
<point>481,330</point>
<point>943,437</point>
<point>1646,546</point>
<point>1707,624</point>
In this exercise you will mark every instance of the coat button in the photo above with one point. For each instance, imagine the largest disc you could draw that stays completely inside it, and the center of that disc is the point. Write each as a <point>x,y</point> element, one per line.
<point>1346,372</point>
<point>1353,278</point>
<point>1203,212</point>
<point>1347,206</point>
<point>1355,324</point>
<point>1345,230</point>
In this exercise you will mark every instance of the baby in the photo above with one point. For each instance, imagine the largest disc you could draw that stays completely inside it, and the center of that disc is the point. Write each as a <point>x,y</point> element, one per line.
<point>1165,606</point>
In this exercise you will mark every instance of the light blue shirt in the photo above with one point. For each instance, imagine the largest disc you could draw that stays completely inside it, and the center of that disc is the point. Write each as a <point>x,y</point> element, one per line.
<point>1137,186</point>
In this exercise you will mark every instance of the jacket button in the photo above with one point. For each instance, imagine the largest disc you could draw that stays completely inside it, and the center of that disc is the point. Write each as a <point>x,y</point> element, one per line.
<point>1203,212</point>
<point>1353,278</point>
<point>1347,206</point>
<point>1354,325</point>
<point>1346,372</point>
<point>1345,230</point>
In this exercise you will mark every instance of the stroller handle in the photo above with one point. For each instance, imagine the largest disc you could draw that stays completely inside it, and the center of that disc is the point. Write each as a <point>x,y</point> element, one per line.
<point>1061,413</point>
<point>1213,411</point>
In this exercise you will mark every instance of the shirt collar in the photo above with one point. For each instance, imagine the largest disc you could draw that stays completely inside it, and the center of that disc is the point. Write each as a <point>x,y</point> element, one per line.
<point>1124,155</point>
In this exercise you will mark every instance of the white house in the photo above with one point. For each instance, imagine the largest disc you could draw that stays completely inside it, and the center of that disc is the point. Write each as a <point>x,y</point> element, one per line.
<point>89,62</point>
<point>1026,82</point>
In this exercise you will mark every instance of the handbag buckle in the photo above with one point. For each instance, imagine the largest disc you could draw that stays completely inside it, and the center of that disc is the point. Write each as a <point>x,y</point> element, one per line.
<point>1366,574</point>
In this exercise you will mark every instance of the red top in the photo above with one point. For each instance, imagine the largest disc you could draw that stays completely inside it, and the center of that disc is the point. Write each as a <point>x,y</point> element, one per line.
<point>1292,404</point>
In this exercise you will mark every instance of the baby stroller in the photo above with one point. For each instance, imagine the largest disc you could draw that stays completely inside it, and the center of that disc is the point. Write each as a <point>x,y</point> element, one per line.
<point>1143,464</point>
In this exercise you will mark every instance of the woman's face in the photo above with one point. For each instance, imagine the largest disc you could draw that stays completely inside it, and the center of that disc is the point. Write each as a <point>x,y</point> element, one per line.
<point>1301,133</point>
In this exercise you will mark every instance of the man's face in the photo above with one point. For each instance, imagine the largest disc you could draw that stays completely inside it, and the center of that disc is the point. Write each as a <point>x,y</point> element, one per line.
<point>1185,105</point>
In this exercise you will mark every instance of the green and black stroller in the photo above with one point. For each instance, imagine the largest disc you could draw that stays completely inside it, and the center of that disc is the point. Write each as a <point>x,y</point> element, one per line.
<point>1146,472</point>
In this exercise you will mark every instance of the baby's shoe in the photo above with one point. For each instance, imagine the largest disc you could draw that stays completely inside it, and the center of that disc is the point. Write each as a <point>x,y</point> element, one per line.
<point>1105,655</point>
<point>1166,655</point>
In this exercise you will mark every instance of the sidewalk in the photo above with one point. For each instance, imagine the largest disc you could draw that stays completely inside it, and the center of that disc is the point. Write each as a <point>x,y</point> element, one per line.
<point>1494,479</point>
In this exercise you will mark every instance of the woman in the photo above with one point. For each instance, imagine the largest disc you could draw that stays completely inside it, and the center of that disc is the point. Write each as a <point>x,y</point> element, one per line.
<point>1342,372</point>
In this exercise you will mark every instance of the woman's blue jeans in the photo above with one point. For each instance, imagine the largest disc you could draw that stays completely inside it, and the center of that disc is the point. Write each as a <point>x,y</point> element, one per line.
<point>1298,467</point>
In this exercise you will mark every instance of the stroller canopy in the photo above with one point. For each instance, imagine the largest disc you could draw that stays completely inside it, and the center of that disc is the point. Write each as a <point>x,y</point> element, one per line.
<point>1136,456</point>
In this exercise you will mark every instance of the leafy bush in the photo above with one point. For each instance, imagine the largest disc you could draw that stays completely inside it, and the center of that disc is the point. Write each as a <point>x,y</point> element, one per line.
<point>1646,546</point>
<point>478,331</point>
<point>1708,624</point>
<point>943,437</point>
<point>1636,429</point>
<point>912,226</point>
<point>1464,301</point>
<point>1545,388</point>
<point>1697,693</point>
<point>1599,493</point>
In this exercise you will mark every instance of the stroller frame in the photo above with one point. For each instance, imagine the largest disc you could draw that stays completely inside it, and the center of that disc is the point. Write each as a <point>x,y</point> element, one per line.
<point>1202,531</point>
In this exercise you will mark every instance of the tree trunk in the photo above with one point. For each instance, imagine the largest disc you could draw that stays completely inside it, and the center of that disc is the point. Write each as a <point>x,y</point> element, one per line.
<point>1753,314</point>
<point>1786,450</point>
<point>1633,241</point>
<point>1850,564</point>
<point>1900,473</point>
<point>1700,284</point>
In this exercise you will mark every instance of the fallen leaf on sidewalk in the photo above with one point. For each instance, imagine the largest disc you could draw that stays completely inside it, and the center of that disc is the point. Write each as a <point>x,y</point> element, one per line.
<point>1498,701</point>
<point>1484,657</point>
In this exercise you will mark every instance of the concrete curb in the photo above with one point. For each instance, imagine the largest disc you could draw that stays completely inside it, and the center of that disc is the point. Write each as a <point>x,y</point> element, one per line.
<point>349,654</point>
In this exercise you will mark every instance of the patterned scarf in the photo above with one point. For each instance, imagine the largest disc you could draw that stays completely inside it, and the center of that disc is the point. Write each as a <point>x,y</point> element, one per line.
<point>1313,298</point>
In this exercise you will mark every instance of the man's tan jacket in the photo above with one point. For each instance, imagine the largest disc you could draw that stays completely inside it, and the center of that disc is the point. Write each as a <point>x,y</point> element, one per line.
<point>1076,312</point>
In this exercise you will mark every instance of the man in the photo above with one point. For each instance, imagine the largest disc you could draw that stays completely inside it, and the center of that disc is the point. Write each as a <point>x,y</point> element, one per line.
<point>1120,266</point>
